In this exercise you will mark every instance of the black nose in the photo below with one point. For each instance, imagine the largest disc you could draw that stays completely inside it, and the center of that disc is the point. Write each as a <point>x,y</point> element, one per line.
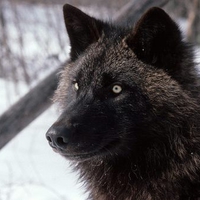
<point>58,137</point>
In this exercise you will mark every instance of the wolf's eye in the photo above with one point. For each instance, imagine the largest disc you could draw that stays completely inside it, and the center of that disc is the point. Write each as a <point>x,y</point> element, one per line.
<point>76,87</point>
<point>116,89</point>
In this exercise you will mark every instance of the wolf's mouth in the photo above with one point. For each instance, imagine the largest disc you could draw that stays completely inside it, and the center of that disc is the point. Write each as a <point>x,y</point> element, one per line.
<point>86,155</point>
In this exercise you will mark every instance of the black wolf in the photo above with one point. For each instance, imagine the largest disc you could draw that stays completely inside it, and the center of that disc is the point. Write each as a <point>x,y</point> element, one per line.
<point>130,109</point>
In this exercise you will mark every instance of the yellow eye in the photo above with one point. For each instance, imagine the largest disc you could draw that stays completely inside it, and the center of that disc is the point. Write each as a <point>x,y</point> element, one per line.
<point>117,89</point>
<point>76,86</point>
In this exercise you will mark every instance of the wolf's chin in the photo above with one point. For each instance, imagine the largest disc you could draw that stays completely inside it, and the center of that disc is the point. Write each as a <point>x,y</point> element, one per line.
<point>102,151</point>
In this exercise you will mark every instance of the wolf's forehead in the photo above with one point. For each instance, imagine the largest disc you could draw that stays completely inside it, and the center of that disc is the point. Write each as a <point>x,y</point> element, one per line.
<point>105,58</point>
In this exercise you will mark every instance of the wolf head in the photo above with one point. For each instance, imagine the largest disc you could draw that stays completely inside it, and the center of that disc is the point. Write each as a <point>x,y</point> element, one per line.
<point>125,90</point>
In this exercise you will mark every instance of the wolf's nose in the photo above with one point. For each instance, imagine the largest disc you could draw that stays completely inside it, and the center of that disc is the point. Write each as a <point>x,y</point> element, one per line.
<point>58,137</point>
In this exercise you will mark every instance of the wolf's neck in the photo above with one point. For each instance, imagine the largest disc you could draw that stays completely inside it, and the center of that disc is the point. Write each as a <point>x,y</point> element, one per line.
<point>153,167</point>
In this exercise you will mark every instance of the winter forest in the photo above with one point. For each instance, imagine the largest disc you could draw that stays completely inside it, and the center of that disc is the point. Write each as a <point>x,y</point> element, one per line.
<point>34,47</point>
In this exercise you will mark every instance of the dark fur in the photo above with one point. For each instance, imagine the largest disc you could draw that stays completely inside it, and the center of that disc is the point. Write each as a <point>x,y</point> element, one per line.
<point>143,143</point>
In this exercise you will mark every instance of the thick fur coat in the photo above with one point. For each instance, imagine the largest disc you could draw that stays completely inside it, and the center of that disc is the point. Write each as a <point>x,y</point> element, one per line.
<point>130,109</point>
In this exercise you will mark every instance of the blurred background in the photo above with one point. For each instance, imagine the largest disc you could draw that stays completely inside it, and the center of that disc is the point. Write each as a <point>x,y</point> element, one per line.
<point>33,44</point>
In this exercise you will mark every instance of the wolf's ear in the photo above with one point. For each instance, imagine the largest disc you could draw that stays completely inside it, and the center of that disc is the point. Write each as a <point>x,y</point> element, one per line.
<point>156,39</point>
<point>82,29</point>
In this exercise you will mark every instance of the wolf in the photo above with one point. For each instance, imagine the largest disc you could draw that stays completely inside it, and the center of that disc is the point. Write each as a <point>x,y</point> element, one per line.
<point>130,109</point>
